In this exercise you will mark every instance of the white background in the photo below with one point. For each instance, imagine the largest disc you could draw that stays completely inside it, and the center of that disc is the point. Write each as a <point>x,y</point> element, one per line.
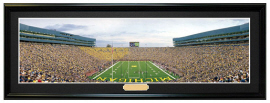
<point>118,1</point>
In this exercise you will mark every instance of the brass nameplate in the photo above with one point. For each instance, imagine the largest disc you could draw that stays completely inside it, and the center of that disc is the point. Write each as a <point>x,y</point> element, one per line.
<point>135,87</point>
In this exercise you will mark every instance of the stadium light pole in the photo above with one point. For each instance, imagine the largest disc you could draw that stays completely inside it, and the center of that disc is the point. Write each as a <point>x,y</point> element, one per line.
<point>128,59</point>
<point>122,63</point>
<point>146,60</point>
<point>112,61</point>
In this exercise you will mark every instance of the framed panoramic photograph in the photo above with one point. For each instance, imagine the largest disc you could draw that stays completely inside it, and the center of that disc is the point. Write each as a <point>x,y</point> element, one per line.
<point>135,51</point>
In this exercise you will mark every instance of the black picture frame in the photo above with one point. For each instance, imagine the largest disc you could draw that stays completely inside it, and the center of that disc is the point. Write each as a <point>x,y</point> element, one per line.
<point>255,90</point>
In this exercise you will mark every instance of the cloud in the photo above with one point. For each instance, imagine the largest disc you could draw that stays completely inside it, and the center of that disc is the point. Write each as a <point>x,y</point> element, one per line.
<point>103,43</point>
<point>155,32</point>
<point>65,27</point>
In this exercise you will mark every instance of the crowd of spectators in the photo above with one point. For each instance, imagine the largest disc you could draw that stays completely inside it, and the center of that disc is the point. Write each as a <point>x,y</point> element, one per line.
<point>40,62</point>
<point>216,63</point>
<point>106,53</point>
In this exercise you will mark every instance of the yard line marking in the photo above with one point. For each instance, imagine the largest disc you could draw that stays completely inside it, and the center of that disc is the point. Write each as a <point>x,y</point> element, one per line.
<point>162,70</point>
<point>140,70</point>
<point>125,72</point>
<point>128,69</point>
<point>105,70</point>
<point>134,71</point>
<point>120,65</point>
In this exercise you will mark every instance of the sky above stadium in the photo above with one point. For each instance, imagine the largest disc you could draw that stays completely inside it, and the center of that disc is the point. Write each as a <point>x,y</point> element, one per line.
<point>150,32</point>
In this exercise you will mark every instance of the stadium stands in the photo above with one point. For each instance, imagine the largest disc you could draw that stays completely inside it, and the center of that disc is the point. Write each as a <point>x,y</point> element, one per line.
<point>34,34</point>
<point>56,63</point>
<point>199,63</point>
<point>106,53</point>
<point>215,56</point>
<point>236,34</point>
<point>67,63</point>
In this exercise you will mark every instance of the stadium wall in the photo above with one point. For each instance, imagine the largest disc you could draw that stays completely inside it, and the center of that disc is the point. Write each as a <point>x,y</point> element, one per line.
<point>233,34</point>
<point>34,34</point>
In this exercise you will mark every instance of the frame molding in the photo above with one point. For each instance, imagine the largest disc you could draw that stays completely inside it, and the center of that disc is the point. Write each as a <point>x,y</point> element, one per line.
<point>9,8</point>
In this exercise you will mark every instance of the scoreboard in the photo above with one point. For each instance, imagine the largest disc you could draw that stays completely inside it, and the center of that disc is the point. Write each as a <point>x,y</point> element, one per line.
<point>134,44</point>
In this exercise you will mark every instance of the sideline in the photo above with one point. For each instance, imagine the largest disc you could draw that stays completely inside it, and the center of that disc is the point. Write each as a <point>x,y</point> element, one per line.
<point>106,70</point>
<point>162,70</point>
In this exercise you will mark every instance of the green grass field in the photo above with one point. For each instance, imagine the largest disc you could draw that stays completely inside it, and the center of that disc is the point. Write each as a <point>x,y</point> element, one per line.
<point>134,71</point>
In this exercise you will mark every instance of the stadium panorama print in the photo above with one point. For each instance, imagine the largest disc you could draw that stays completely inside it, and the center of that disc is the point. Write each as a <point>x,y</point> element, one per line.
<point>70,51</point>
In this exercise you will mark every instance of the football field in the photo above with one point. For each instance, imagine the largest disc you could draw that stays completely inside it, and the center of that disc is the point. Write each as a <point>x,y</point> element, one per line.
<point>134,71</point>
